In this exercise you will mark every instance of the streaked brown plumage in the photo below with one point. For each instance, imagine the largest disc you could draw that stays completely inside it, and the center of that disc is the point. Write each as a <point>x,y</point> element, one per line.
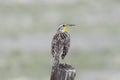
<point>60,44</point>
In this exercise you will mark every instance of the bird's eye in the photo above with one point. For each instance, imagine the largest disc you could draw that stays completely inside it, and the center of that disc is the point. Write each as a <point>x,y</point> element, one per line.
<point>64,25</point>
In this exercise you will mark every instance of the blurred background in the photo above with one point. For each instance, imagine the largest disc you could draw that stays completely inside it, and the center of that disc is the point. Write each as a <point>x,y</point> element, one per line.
<point>27,28</point>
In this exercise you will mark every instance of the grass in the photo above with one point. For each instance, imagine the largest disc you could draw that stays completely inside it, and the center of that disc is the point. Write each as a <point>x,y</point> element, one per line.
<point>38,64</point>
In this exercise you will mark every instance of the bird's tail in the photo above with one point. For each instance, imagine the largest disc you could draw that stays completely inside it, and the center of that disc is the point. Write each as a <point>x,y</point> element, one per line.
<point>56,59</point>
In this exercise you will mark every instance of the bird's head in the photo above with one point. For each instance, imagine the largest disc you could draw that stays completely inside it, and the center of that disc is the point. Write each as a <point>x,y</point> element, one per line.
<point>64,27</point>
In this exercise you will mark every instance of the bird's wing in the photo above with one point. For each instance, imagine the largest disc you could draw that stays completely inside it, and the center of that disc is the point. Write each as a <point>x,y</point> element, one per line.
<point>55,44</point>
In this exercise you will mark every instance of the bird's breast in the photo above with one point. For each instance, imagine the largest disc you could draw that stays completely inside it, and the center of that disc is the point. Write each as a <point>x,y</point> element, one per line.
<point>64,35</point>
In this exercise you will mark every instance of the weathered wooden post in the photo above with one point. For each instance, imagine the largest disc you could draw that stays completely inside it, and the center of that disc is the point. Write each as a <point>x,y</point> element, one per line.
<point>63,72</point>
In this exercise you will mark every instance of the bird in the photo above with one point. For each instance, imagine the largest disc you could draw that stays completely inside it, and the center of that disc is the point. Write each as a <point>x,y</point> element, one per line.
<point>60,43</point>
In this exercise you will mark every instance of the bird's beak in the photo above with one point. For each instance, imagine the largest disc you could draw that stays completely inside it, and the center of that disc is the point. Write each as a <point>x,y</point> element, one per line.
<point>71,25</point>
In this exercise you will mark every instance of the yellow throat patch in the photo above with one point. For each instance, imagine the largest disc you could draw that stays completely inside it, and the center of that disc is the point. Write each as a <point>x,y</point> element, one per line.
<point>65,29</point>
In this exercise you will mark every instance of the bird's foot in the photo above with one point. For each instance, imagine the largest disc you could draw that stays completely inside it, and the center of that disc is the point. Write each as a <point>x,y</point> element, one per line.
<point>64,62</point>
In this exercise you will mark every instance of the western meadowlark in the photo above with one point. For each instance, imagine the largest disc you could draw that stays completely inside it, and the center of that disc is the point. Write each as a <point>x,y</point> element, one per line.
<point>60,43</point>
